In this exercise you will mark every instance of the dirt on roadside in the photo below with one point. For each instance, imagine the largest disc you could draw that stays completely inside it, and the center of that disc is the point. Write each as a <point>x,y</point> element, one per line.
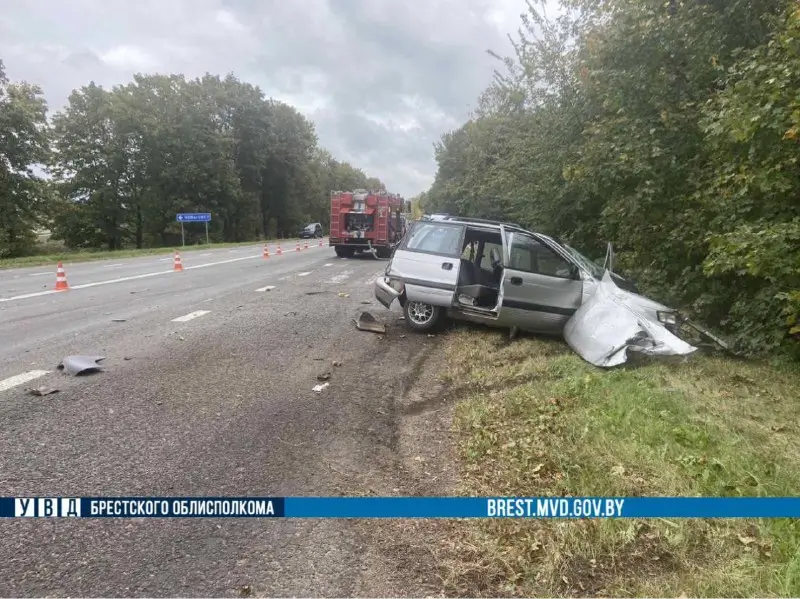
<point>401,557</point>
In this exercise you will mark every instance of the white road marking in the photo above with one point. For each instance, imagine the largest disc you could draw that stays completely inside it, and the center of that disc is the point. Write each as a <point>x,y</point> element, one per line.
<point>221,262</point>
<point>165,259</point>
<point>203,255</point>
<point>303,274</point>
<point>13,381</point>
<point>112,265</point>
<point>38,274</point>
<point>27,295</point>
<point>191,316</point>
<point>329,264</point>
<point>267,288</point>
<point>342,276</point>
<point>123,279</point>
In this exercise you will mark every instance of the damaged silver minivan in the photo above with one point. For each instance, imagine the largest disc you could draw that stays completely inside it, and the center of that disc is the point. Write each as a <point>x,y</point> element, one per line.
<point>504,276</point>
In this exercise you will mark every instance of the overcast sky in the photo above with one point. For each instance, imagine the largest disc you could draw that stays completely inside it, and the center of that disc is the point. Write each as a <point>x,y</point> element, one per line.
<point>381,79</point>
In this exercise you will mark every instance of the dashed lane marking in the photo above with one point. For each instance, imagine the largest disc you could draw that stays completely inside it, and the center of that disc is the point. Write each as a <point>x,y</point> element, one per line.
<point>303,274</point>
<point>112,265</point>
<point>13,381</point>
<point>329,264</point>
<point>39,274</point>
<point>267,288</point>
<point>191,316</point>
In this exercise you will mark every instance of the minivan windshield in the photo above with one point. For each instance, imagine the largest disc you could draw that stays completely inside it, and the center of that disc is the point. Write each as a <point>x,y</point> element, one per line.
<point>595,269</point>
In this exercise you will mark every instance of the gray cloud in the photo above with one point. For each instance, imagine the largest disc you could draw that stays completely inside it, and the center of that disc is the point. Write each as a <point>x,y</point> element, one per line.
<point>381,80</point>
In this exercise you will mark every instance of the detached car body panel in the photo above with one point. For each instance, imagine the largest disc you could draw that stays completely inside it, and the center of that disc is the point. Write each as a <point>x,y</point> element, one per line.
<point>613,322</point>
<point>505,276</point>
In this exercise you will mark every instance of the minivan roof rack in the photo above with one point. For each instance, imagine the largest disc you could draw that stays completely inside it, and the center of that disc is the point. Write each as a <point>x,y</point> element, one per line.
<point>484,221</point>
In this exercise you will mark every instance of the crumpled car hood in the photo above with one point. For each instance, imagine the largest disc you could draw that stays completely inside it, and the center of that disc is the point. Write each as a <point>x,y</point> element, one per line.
<point>613,322</point>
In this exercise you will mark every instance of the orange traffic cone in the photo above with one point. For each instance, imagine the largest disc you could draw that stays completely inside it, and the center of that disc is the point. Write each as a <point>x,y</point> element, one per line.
<point>178,264</point>
<point>279,251</point>
<point>61,279</point>
<point>320,242</point>
<point>266,251</point>
<point>297,247</point>
<point>306,246</point>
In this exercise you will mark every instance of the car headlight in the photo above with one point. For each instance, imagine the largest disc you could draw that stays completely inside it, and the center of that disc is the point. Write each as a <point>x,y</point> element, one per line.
<point>667,317</point>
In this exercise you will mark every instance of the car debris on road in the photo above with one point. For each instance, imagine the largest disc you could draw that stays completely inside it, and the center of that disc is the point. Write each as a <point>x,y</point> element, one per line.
<point>367,322</point>
<point>502,275</point>
<point>78,365</point>
<point>320,388</point>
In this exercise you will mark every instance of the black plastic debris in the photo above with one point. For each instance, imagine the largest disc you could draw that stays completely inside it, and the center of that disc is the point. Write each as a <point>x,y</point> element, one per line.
<point>80,365</point>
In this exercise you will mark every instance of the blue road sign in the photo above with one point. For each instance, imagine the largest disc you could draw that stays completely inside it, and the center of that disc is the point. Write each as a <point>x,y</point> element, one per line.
<point>194,217</point>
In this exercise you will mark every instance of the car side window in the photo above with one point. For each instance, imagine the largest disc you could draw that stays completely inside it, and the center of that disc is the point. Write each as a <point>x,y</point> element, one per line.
<point>530,255</point>
<point>435,238</point>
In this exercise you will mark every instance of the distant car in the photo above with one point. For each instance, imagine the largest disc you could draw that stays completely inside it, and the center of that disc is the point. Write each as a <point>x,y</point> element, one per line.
<point>311,231</point>
<point>504,276</point>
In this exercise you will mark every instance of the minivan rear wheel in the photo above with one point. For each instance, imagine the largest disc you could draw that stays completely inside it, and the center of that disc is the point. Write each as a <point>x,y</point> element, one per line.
<point>421,316</point>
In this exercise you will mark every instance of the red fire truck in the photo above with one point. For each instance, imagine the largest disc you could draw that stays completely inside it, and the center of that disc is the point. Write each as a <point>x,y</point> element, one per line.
<point>372,221</point>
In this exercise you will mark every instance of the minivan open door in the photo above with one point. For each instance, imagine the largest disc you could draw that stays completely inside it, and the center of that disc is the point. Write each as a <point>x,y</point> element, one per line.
<point>540,288</point>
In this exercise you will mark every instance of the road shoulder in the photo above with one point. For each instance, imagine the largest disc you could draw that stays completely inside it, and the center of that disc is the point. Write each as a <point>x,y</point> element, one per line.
<point>402,557</point>
<point>529,418</point>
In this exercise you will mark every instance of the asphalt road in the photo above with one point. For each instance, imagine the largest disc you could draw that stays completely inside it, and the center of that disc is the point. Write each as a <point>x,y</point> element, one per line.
<point>218,402</point>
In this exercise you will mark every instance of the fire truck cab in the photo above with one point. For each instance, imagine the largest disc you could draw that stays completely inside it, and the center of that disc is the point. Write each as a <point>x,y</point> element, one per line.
<point>370,221</point>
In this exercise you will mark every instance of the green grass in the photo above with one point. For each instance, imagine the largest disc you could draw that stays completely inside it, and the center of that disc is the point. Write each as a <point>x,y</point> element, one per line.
<point>537,420</point>
<point>65,255</point>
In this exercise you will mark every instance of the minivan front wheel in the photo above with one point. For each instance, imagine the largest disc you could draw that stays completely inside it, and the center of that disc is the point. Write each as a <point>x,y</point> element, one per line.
<point>421,316</point>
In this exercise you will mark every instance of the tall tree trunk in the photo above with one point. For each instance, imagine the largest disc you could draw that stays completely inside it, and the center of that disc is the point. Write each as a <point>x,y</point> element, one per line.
<point>139,227</point>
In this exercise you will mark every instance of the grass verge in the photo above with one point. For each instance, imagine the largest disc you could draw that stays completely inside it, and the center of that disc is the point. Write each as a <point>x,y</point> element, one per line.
<point>92,255</point>
<point>536,420</point>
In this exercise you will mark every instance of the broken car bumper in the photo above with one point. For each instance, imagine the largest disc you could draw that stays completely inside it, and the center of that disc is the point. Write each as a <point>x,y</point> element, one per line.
<point>384,292</point>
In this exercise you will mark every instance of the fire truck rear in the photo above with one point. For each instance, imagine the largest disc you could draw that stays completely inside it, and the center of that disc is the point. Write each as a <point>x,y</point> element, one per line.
<point>366,221</point>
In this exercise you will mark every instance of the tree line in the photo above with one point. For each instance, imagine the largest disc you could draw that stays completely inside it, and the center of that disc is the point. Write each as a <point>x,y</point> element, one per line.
<point>113,168</point>
<point>670,128</point>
